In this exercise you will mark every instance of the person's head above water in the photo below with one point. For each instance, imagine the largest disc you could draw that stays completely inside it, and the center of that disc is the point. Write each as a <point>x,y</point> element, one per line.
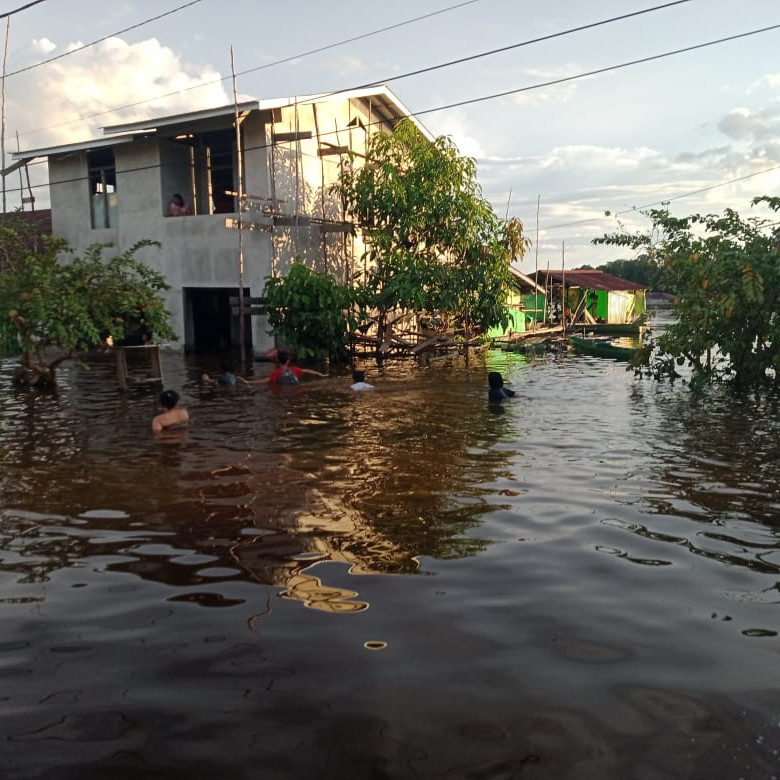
<point>358,376</point>
<point>283,357</point>
<point>495,380</point>
<point>169,398</point>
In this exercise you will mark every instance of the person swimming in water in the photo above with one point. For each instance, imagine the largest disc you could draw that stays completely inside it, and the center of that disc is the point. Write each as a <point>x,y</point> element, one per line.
<point>497,391</point>
<point>359,382</point>
<point>173,416</point>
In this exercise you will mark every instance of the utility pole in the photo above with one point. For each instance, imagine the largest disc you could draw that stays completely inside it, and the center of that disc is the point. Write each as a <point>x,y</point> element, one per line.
<point>2,118</point>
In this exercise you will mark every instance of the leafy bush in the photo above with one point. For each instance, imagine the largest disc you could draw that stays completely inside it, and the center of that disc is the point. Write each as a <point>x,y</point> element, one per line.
<point>311,312</point>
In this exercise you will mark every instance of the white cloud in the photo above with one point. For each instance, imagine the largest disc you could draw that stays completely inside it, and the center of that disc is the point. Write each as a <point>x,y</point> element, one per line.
<point>82,93</point>
<point>586,158</point>
<point>43,46</point>
<point>745,124</point>
<point>556,93</point>
<point>346,65</point>
<point>457,125</point>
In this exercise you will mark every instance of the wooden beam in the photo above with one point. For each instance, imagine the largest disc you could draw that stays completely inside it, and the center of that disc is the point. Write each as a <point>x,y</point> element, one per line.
<point>292,221</point>
<point>232,224</point>
<point>284,138</point>
<point>251,311</point>
<point>323,151</point>
<point>336,227</point>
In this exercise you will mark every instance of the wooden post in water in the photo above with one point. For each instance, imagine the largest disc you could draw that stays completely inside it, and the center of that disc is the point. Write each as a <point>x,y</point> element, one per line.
<point>2,121</point>
<point>563,287</point>
<point>536,268</point>
<point>240,220</point>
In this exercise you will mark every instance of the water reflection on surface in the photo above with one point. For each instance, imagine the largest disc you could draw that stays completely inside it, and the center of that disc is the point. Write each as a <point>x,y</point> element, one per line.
<point>585,585</point>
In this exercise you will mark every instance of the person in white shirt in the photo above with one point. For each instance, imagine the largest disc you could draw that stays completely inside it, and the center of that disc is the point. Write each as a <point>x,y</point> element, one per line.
<point>359,382</point>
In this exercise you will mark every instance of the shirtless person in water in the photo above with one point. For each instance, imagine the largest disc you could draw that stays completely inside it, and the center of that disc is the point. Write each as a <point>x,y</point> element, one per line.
<point>173,416</point>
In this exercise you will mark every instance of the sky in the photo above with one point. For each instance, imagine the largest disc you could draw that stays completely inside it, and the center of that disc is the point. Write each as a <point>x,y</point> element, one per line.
<point>698,130</point>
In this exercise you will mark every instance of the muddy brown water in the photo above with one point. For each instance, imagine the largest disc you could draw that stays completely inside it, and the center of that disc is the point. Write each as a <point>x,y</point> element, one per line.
<point>405,582</point>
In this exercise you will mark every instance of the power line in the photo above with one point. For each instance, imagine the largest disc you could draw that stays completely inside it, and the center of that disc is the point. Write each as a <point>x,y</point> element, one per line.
<point>634,209</point>
<point>597,71</point>
<point>99,40</point>
<point>540,86</point>
<point>513,46</point>
<point>241,73</point>
<point>21,8</point>
<point>355,38</point>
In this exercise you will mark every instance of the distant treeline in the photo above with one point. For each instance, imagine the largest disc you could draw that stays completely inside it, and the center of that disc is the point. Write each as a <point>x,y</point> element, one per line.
<point>643,270</point>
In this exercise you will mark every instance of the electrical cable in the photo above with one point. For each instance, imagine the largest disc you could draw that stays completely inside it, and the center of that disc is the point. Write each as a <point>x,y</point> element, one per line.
<point>100,40</point>
<point>379,81</point>
<point>545,84</point>
<point>21,8</point>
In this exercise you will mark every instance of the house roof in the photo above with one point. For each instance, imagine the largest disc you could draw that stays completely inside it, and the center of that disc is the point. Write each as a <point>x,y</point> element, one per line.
<point>592,279</point>
<point>383,101</point>
<point>525,279</point>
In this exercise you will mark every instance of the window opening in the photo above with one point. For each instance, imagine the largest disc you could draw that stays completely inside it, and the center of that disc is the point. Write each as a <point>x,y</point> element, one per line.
<point>102,188</point>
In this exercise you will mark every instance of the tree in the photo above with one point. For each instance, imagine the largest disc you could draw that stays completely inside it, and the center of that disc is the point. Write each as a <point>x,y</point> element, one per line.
<point>311,312</point>
<point>433,242</point>
<point>726,271</point>
<point>642,269</point>
<point>60,307</point>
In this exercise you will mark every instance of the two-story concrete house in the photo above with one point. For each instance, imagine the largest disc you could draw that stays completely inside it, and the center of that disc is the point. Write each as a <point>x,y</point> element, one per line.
<point>118,189</point>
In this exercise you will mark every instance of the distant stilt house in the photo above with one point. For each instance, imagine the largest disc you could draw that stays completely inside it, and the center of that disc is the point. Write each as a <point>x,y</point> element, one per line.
<point>526,306</point>
<point>593,296</point>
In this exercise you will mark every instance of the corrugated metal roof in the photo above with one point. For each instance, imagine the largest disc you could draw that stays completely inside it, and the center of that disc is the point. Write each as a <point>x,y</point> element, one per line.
<point>528,280</point>
<point>592,279</point>
<point>384,100</point>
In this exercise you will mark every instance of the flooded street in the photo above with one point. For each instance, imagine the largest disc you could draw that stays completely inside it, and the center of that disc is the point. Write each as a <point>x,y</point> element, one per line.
<point>405,582</point>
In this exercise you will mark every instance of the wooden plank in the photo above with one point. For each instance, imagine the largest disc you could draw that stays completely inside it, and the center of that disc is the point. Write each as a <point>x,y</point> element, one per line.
<point>283,138</point>
<point>248,224</point>
<point>427,344</point>
<point>336,227</point>
<point>324,151</point>
<point>249,311</point>
<point>292,221</point>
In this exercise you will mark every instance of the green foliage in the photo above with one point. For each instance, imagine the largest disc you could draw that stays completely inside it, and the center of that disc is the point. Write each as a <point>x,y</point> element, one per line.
<point>59,306</point>
<point>311,312</point>
<point>642,269</point>
<point>726,271</point>
<point>433,242</point>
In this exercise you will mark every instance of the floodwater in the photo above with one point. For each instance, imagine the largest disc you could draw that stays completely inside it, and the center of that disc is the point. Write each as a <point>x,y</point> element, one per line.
<point>400,583</point>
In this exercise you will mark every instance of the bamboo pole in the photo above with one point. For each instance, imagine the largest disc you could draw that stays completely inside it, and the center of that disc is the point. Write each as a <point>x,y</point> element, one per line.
<point>2,120</point>
<point>240,220</point>
<point>322,189</point>
<point>536,267</point>
<point>563,287</point>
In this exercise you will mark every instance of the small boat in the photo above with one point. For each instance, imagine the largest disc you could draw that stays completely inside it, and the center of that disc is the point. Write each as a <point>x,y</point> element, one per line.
<point>602,347</point>
<point>634,328</point>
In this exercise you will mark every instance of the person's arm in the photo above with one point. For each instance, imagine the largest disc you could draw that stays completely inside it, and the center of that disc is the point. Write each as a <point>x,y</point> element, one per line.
<point>311,371</point>
<point>263,381</point>
<point>157,425</point>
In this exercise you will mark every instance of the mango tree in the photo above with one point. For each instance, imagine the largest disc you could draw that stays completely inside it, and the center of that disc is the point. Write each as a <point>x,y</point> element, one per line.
<point>433,243</point>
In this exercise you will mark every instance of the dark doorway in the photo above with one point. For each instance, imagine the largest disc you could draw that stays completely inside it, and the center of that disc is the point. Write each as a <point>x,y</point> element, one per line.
<point>209,322</point>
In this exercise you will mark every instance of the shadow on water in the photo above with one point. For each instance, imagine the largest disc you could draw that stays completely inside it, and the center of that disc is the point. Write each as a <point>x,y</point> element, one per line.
<point>582,582</point>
